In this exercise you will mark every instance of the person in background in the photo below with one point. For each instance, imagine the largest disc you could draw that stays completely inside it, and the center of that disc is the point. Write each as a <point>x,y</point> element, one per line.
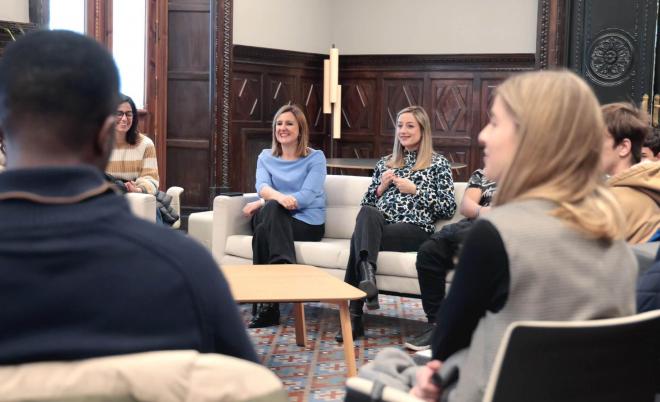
<point>651,147</point>
<point>436,255</point>
<point>635,185</point>
<point>133,159</point>
<point>291,206</point>
<point>80,276</point>
<point>133,166</point>
<point>410,190</point>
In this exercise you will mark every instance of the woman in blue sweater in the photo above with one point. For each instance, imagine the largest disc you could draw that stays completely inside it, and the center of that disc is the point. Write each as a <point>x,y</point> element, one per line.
<point>291,205</point>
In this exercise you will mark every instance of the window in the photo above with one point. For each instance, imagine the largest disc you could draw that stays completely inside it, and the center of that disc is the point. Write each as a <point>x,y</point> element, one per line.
<point>129,34</point>
<point>67,14</point>
<point>129,23</point>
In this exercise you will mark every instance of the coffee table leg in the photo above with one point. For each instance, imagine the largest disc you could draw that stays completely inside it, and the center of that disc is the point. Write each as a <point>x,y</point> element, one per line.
<point>347,333</point>
<point>301,330</point>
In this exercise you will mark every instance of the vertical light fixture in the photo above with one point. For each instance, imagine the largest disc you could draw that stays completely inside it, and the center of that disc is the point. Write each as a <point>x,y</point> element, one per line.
<point>332,95</point>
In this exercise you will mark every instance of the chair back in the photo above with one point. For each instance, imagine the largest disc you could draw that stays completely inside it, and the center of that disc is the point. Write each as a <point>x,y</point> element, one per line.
<point>601,360</point>
<point>344,194</point>
<point>163,376</point>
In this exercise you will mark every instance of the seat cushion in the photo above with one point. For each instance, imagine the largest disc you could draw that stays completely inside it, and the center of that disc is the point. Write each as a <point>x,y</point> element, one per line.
<point>331,253</point>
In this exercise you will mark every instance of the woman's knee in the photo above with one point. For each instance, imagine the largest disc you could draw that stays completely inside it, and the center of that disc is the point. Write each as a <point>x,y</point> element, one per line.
<point>272,207</point>
<point>367,212</point>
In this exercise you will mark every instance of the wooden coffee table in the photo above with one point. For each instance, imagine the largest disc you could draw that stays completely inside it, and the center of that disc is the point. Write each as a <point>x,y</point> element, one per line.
<point>296,284</point>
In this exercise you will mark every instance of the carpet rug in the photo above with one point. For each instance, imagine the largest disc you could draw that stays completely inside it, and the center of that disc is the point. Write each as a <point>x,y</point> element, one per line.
<point>318,372</point>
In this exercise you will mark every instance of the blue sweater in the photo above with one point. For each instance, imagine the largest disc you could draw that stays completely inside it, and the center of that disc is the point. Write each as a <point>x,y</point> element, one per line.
<point>303,179</point>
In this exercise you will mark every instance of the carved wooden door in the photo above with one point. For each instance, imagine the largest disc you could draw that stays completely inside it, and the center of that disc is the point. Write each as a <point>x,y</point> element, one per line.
<point>612,45</point>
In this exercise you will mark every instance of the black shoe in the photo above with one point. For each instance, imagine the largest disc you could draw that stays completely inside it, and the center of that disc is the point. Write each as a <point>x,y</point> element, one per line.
<point>372,303</point>
<point>268,314</point>
<point>357,325</point>
<point>368,279</point>
<point>421,341</point>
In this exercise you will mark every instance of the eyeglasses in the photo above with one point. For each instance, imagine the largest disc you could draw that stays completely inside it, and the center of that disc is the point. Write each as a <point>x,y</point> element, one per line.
<point>120,114</point>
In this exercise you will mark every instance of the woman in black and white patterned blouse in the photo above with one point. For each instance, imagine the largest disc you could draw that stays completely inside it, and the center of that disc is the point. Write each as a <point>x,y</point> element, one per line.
<point>410,190</point>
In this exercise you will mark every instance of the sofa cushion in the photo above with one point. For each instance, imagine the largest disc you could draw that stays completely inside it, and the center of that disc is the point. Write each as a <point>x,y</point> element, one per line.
<point>344,194</point>
<point>333,254</point>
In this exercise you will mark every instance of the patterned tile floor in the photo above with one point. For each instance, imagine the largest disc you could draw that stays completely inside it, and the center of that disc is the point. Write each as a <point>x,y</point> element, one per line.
<point>317,373</point>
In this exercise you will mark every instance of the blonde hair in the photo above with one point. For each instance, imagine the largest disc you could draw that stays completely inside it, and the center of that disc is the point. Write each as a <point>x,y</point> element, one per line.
<point>560,132</point>
<point>425,150</point>
<point>303,130</point>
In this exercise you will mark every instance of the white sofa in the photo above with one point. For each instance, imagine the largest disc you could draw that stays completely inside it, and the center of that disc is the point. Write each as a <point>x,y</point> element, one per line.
<point>228,234</point>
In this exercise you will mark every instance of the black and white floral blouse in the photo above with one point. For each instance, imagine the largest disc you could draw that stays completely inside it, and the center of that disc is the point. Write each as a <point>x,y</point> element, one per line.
<point>434,198</point>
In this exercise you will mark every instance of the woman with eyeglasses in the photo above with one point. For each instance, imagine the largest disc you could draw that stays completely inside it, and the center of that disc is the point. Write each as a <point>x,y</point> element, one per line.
<point>133,160</point>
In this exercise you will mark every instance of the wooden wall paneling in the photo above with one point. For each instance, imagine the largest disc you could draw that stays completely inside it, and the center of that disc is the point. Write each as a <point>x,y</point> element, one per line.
<point>450,108</point>
<point>11,31</point>
<point>486,92</point>
<point>39,11</point>
<point>157,57</point>
<point>281,89</point>
<point>254,140</point>
<point>551,33</point>
<point>359,106</point>
<point>221,141</point>
<point>318,140</point>
<point>247,96</point>
<point>247,112</point>
<point>189,123</point>
<point>311,99</point>
<point>374,89</point>
<point>351,148</point>
<point>400,90</point>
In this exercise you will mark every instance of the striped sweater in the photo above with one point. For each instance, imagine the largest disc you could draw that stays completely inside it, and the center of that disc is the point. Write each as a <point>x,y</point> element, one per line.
<point>136,163</point>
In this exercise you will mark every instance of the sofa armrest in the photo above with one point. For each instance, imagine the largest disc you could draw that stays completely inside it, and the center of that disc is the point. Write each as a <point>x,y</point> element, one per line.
<point>228,220</point>
<point>142,205</point>
<point>175,192</point>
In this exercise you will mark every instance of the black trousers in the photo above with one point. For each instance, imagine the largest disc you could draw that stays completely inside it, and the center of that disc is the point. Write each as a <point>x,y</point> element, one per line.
<point>372,234</point>
<point>434,259</point>
<point>274,231</point>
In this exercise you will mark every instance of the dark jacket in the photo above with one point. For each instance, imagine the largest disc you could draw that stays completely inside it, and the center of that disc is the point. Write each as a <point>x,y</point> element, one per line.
<point>81,277</point>
<point>648,289</point>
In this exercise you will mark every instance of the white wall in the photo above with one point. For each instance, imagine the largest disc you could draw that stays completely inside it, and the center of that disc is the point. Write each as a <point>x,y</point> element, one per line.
<point>388,26</point>
<point>299,25</point>
<point>15,10</point>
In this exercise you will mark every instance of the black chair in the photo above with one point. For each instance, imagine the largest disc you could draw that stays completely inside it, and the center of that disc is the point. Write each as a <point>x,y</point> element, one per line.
<point>613,360</point>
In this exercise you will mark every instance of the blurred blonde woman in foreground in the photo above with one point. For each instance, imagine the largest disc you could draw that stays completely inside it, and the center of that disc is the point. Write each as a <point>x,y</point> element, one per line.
<point>552,248</point>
